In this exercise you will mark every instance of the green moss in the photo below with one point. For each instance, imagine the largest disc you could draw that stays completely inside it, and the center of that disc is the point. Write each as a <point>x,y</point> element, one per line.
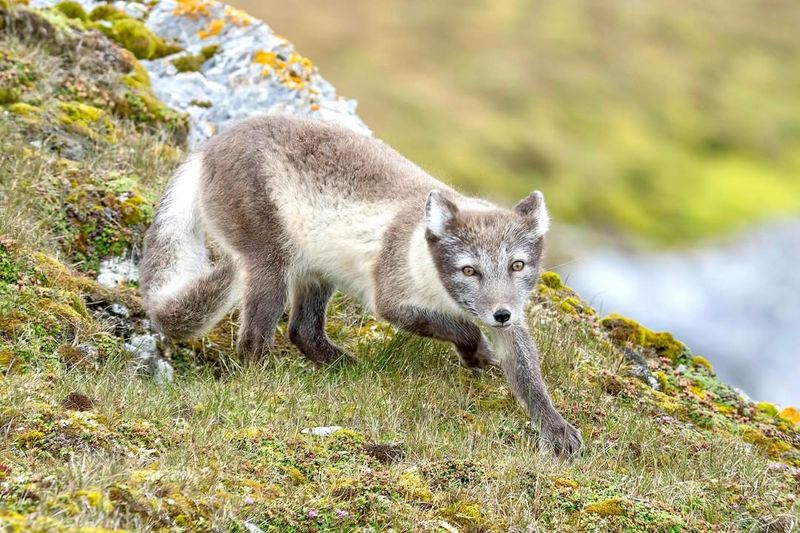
<point>106,12</point>
<point>134,36</point>
<point>625,330</point>
<point>9,95</point>
<point>86,120</point>
<point>767,408</point>
<point>193,63</point>
<point>142,107</point>
<point>699,360</point>
<point>610,507</point>
<point>552,280</point>
<point>25,110</point>
<point>72,10</point>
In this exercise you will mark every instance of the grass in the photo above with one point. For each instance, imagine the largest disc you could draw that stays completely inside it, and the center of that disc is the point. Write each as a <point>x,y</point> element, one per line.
<point>656,122</point>
<point>89,442</point>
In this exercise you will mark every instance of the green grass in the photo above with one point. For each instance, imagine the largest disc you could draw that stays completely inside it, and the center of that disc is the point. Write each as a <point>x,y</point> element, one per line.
<point>661,121</point>
<point>89,442</point>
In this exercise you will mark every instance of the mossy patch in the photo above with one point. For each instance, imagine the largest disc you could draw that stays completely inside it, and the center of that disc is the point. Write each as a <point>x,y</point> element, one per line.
<point>87,120</point>
<point>193,62</point>
<point>72,10</point>
<point>625,330</point>
<point>134,36</point>
<point>106,12</point>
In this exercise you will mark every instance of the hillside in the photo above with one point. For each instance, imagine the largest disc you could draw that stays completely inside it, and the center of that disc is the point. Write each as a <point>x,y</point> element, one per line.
<point>100,431</point>
<point>655,122</point>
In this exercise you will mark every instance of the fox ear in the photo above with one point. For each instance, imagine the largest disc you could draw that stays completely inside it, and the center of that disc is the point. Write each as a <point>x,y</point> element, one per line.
<point>534,208</point>
<point>439,211</point>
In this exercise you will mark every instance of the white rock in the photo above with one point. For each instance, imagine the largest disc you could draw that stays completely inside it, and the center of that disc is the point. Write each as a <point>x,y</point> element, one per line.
<point>117,271</point>
<point>322,431</point>
<point>119,310</point>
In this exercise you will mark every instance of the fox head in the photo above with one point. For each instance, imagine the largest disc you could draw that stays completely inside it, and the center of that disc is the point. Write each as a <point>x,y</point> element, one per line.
<point>488,259</point>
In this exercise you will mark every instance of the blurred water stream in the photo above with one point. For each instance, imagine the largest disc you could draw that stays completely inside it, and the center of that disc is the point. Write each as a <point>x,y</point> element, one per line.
<point>737,303</point>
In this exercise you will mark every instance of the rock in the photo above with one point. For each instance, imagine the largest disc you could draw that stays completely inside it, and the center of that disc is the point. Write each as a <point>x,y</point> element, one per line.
<point>117,271</point>
<point>144,348</point>
<point>235,82</point>
<point>322,431</point>
<point>119,310</point>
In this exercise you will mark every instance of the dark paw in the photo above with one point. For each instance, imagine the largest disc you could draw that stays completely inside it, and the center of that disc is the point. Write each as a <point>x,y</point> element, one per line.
<point>253,344</point>
<point>477,358</point>
<point>331,355</point>
<point>561,437</point>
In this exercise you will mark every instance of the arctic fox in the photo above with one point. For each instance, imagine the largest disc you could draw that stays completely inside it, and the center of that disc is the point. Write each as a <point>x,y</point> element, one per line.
<point>281,209</point>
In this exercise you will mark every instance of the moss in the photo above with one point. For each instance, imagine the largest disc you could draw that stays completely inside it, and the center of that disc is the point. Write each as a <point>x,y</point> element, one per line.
<point>86,120</point>
<point>767,408</point>
<point>610,507</point>
<point>9,95</point>
<point>413,486</point>
<point>25,110</point>
<point>72,10</point>
<point>552,280</point>
<point>464,513</point>
<point>625,330</point>
<point>193,63</point>
<point>28,439</point>
<point>663,381</point>
<point>106,12</point>
<point>142,107</point>
<point>702,362</point>
<point>134,36</point>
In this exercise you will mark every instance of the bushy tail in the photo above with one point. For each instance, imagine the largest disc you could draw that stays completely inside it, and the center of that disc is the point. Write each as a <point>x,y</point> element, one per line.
<point>184,293</point>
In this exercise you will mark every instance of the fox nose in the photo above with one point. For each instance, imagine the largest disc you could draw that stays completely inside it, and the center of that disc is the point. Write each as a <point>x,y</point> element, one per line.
<point>502,315</point>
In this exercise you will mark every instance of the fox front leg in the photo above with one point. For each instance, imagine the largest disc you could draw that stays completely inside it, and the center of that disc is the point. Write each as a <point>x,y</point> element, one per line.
<point>470,343</point>
<point>519,359</point>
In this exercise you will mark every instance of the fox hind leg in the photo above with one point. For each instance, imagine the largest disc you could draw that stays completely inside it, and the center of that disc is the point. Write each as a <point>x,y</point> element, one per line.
<point>310,297</point>
<point>265,296</point>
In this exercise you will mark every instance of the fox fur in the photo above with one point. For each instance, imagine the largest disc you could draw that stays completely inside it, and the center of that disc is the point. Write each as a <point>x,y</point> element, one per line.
<point>281,210</point>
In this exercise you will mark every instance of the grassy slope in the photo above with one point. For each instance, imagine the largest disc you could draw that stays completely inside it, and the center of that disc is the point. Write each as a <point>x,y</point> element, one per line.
<point>662,119</point>
<point>87,441</point>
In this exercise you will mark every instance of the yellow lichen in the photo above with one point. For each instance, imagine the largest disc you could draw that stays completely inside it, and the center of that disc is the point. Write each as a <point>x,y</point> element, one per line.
<point>30,438</point>
<point>610,507</point>
<point>411,484</point>
<point>565,482</point>
<point>295,474</point>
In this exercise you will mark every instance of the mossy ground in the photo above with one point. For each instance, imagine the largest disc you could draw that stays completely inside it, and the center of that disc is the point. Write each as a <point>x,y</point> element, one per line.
<point>88,441</point>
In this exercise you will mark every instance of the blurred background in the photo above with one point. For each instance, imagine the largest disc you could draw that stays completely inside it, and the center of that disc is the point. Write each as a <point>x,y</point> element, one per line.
<point>665,135</point>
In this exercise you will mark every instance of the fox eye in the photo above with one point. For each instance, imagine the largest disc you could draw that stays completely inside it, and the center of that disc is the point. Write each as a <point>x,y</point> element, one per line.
<point>516,266</point>
<point>468,271</point>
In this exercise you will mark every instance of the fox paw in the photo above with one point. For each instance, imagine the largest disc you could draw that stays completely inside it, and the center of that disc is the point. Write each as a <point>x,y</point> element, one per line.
<point>561,437</point>
<point>478,358</point>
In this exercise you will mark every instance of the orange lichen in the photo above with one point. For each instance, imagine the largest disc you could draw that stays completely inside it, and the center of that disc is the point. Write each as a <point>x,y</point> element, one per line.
<point>192,8</point>
<point>790,414</point>
<point>212,29</point>
<point>237,17</point>
<point>270,59</point>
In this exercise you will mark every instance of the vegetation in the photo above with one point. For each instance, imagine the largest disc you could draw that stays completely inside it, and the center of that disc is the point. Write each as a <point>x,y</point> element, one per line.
<point>662,120</point>
<point>88,442</point>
